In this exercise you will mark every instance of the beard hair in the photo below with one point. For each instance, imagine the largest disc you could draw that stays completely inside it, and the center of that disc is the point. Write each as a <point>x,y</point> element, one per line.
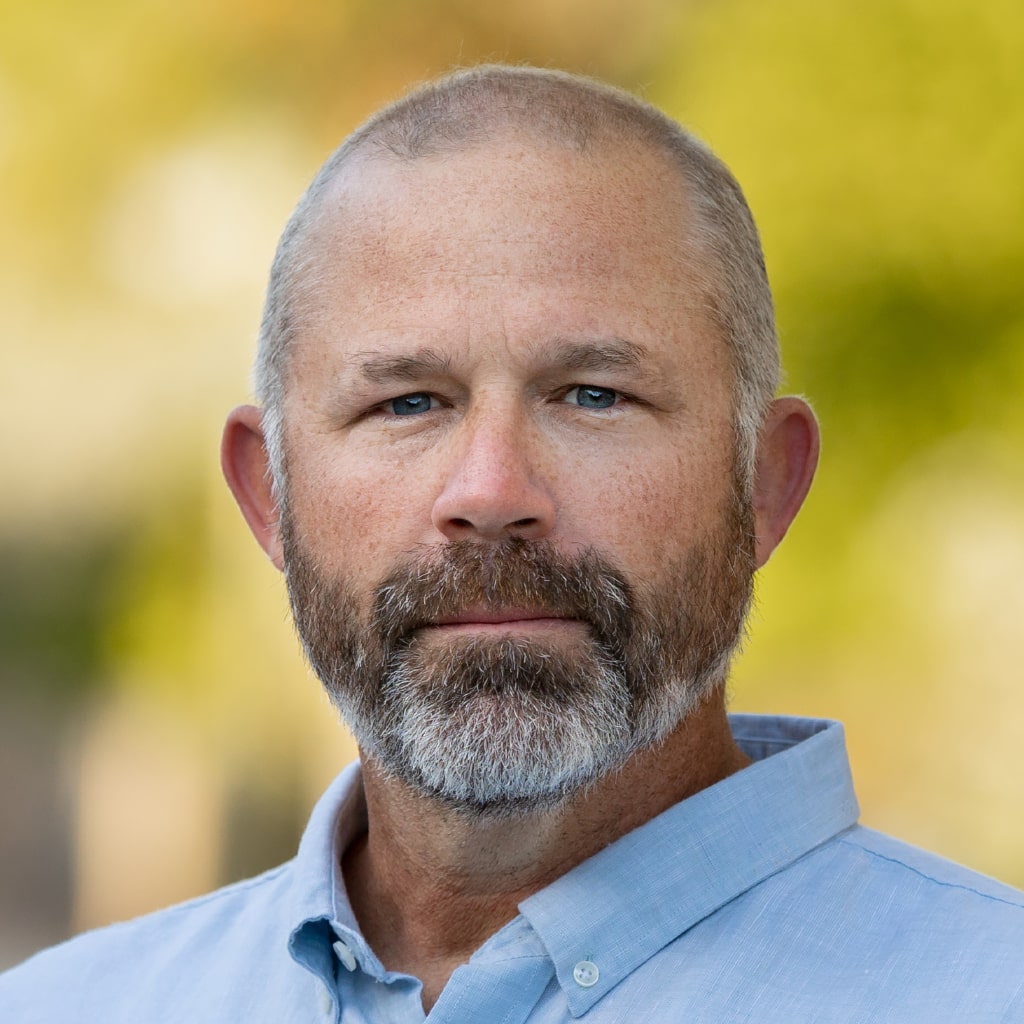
<point>506,725</point>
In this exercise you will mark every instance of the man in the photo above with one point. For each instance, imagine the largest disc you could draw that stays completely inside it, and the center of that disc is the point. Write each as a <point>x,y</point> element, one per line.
<point>519,456</point>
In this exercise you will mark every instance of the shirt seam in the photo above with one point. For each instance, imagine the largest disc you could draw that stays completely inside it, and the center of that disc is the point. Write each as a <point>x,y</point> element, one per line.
<point>243,885</point>
<point>515,956</point>
<point>930,878</point>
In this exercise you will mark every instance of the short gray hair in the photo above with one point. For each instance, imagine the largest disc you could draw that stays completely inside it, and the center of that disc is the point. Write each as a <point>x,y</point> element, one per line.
<point>471,107</point>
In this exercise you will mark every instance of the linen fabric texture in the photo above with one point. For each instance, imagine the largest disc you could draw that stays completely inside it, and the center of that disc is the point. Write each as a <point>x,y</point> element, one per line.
<point>758,899</point>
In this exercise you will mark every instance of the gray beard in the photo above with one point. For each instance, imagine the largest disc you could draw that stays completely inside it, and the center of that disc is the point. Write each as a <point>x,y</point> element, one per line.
<point>504,725</point>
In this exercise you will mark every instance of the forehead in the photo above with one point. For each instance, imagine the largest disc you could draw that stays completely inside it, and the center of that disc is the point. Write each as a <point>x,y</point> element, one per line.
<point>517,190</point>
<point>531,233</point>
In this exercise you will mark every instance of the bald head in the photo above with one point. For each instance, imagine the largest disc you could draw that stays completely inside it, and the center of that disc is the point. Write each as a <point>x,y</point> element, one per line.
<point>486,104</point>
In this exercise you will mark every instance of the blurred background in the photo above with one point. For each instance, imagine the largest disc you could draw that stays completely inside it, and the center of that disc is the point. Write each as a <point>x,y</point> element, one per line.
<point>159,733</point>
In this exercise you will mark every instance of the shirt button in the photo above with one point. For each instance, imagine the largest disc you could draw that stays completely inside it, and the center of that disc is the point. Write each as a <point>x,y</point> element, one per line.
<point>586,973</point>
<point>345,955</point>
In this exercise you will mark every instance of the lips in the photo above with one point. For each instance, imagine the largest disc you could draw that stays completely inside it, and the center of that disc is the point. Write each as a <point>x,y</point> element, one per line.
<point>497,617</point>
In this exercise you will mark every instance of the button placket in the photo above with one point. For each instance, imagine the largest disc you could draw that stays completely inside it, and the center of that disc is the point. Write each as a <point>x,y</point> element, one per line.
<point>345,955</point>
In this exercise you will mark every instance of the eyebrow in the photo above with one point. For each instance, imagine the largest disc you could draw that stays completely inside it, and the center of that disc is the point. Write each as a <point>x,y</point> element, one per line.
<point>613,353</point>
<point>383,369</point>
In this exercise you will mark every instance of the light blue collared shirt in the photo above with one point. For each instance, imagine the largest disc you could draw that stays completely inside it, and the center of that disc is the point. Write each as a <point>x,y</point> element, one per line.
<point>758,899</point>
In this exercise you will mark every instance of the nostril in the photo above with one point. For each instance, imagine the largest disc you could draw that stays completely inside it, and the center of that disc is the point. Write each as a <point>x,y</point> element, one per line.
<point>492,505</point>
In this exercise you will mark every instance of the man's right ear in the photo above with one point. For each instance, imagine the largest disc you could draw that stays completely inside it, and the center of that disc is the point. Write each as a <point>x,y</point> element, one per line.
<point>246,466</point>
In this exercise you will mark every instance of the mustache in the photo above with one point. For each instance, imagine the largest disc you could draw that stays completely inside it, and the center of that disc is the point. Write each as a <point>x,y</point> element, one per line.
<point>513,573</point>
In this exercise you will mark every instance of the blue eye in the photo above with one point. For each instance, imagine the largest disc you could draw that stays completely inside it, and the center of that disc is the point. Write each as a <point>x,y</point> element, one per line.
<point>589,397</point>
<point>411,405</point>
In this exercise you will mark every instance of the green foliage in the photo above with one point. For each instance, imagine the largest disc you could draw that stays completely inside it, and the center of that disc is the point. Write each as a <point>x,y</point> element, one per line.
<point>881,145</point>
<point>53,609</point>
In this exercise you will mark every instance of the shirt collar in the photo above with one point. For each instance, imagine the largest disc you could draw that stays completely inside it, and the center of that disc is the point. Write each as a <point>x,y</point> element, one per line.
<point>623,905</point>
<point>318,907</point>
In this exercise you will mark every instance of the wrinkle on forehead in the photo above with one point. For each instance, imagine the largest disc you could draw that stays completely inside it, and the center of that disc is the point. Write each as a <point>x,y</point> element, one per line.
<point>391,227</point>
<point>382,366</point>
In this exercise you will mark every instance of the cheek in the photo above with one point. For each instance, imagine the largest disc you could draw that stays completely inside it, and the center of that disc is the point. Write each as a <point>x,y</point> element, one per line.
<point>353,513</point>
<point>649,510</point>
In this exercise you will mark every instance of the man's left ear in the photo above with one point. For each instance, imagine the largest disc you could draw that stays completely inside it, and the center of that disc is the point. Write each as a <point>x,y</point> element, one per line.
<point>787,455</point>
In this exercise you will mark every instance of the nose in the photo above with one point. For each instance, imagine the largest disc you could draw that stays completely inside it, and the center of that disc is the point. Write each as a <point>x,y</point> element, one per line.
<point>494,487</point>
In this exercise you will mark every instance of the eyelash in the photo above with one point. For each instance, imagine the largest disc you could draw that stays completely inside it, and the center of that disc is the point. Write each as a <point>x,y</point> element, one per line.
<point>412,395</point>
<point>618,397</point>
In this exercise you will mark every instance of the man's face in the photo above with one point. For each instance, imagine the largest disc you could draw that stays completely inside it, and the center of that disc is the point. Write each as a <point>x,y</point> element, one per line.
<point>513,538</point>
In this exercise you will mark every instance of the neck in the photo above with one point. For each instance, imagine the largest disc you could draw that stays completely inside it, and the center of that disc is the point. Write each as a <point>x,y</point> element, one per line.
<point>429,884</point>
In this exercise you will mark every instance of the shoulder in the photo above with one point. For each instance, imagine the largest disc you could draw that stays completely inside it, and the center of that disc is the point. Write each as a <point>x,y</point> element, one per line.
<point>893,900</point>
<point>209,960</point>
<point>861,928</point>
<point>918,882</point>
<point>901,933</point>
<point>112,973</point>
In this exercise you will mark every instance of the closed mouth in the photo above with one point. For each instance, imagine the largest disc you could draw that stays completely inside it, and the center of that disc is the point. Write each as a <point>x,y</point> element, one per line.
<point>493,619</point>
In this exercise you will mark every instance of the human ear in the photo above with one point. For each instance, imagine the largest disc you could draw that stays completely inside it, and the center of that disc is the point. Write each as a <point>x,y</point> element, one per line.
<point>787,455</point>
<point>246,467</point>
